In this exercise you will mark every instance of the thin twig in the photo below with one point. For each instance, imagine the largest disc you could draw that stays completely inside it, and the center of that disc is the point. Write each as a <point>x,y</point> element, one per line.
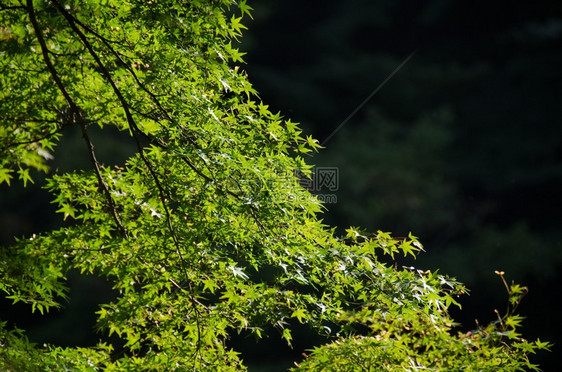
<point>33,140</point>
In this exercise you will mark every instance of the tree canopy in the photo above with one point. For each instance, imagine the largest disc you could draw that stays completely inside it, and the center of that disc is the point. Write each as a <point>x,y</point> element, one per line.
<point>206,230</point>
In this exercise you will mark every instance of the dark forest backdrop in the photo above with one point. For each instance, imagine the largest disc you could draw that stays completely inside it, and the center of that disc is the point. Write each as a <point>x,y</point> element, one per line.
<point>462,146</point>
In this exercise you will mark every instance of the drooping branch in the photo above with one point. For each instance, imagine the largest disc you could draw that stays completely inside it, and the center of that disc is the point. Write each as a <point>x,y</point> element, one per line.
<point>75,113</point>
<point>41,136</point>
<point>135,130</point>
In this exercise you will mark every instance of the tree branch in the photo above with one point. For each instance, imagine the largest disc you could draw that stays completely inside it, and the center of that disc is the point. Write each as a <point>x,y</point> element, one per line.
<point>135,130</point>
<point>75,112</point>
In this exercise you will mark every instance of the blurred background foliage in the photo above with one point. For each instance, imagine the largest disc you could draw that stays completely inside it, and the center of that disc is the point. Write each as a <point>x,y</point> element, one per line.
<point>462,147</point>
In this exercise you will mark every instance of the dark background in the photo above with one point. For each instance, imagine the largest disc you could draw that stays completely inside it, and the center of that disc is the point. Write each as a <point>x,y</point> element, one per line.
<point>462,147</point>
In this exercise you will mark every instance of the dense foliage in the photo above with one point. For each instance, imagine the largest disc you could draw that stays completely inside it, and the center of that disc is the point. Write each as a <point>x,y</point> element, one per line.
<point>206,230</point>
